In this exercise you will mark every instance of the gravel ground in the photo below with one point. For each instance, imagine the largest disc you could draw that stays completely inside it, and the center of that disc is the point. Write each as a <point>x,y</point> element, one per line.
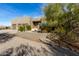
<point>12,45</point>
<point>32,35</point>
<point>29,44</point>
<point>17,41</point>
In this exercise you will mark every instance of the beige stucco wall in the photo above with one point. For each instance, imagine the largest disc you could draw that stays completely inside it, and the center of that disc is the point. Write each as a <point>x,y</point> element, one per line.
<point>21,21</point>
<point>26,20</point>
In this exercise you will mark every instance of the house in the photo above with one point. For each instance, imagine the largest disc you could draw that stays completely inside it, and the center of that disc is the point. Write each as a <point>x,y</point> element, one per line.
<point>2,27</point>
<point>23,21</point>
<point>20,21</point>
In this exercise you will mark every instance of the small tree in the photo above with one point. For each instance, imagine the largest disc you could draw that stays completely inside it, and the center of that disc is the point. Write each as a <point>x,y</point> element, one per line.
<point>64,18</point>
<point>28,27</point>
<point>21,28</point>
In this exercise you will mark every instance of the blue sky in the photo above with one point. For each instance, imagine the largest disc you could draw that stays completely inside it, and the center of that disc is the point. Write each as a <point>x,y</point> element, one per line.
<point>9,11</point>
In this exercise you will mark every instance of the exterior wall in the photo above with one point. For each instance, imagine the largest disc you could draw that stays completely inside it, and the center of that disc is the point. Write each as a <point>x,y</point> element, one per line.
<point>27,21</point>
<point>20,22</point>
<point>38,21</point>
<point>36,24</point>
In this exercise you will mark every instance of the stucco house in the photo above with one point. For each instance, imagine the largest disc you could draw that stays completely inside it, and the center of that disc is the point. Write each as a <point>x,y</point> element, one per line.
<point>20,21</point>
<point>23,21</point>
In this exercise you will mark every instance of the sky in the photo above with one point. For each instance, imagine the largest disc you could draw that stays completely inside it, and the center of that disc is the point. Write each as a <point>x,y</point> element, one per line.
<point>9,11</point>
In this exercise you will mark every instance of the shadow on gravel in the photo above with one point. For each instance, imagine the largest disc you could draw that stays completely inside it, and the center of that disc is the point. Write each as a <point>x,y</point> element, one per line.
<point>7,52</point>
<point>62,51</point>
<point>26,50</point>
<point>32,51</point>
<point>4,37</point>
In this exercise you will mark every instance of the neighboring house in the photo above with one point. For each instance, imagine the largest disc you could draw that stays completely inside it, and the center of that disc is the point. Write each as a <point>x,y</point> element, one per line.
<point>2,27</point>
<point>36,22</point>
<point>23,21</point>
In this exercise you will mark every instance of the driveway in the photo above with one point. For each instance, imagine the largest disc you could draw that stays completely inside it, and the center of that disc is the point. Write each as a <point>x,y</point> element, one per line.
<point>28,43</point>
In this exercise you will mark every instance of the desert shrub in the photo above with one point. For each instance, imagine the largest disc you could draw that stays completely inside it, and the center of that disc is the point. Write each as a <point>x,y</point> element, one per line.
<point>28,27</point>
<point>21,28</point>
<point>45,27</point>
<point>63,22</point>
<point>7,27</point>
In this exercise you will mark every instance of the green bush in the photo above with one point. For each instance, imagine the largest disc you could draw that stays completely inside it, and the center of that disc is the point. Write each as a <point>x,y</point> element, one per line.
<point>21,28</point>
<point>45,27</point>
<point>63,22</point>
<point>28,27</point>
<point>7,27</point>
<point>24,28</point>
